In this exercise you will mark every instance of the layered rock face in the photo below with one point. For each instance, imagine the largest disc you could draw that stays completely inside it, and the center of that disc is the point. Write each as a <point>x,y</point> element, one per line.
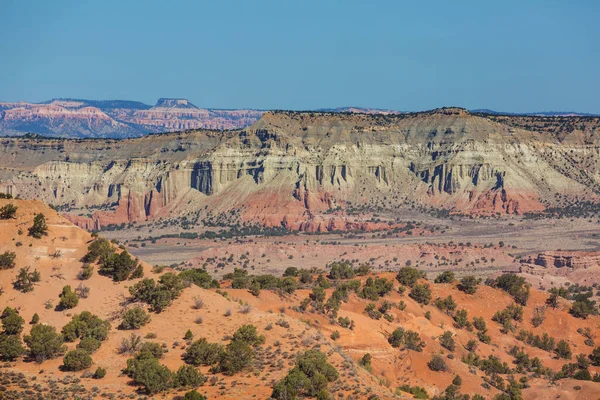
<point>563,259</point>
<point>303,170</point>
<point>118,119</point>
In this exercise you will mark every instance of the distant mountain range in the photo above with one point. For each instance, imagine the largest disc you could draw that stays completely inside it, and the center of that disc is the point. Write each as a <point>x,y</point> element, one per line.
<point>76,118</point>
<point>114,118</point>
<point>540,113</point>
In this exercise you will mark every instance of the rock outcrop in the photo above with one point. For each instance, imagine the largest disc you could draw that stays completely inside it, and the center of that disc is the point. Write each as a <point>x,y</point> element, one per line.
<point>293,169</point>
<point>117,119</point>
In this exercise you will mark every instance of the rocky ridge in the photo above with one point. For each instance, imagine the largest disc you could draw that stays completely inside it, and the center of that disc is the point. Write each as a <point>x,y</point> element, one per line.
<point>294,169</point>
<point>118,119</point>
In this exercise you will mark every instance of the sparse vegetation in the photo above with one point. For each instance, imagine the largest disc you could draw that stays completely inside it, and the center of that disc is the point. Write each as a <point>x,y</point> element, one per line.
<point>39,227</point>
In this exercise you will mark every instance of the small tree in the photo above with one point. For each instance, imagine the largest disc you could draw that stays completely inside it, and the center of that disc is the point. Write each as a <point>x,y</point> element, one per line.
<point>437,363</point>
<point>563,350</point>
<point>469,284</point>
<point>445,277</point>
<point>447,341</point>
<point>237,355</point>
<point>39,227</point>
<point>12,322</point>
<point>85,325</point>
<point>248,334</point>
<point>457,380</point>
<point>86,272</point>
<point>421,293</point>
<point>309,378</point>
<point>99,373</point>
<point>7,260</point>
<point>10,347</point>
<point>25,280</point>
<point>595,357</point>
<point>582,309</point>
<point>134,318</point>
<point>193,395</point>
<point>9,211</point>
<point>397,337</point>
<point>150,374</point>
<point>44,342</point>
<point>188,377</point>
<point>200,352</point>
<point>89,344</point>
<point>76,360</point>
<point>408,276</point>
<point>68,298</point>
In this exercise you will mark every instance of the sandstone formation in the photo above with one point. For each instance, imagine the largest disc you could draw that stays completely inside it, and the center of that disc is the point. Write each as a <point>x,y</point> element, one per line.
<point>575,266</point>
<point>85,118</point>
<point>304,170</point>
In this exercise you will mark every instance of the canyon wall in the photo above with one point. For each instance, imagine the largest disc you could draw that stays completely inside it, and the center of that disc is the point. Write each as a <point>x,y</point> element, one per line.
<point>303,170</point>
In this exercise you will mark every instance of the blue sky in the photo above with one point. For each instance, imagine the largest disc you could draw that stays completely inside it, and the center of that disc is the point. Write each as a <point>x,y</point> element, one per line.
<point>408,55</point>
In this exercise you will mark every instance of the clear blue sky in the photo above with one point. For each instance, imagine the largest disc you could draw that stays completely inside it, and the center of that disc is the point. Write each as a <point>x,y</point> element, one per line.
<point>529,55</point>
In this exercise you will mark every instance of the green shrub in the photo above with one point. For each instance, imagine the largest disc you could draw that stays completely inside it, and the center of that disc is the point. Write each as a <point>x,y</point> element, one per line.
<point>199,277</point>
<point>35,319</point>
<point>89,344</point>
<point>582,309</point>
<point>291,271</point>
<point>44,342</point>
<point>372,311</point>
<point>9,211</point>
<point>194,395</point>
<point>100,249</point>
<point>397,337</point>
<point>158,296</point>
<point>137,273</point>
<point>147,372</point>
<point>421,293</point>
<point>408,276</point>
<point>445,277</point>
<point>410,340</point>
<point>151,349</point>
<point>469,284</point>
<point>11,346</point>
<point>25,280</point>
<point>437,363</point>
<point>563,350</point>
<point>12,322</point>
<point>514,285</point>
<point>86,272</point>
<point>134,318</point>
<point>309,378</point>
<point>595,357</point>
<point>76,360</point>
<point>200,352</point>
<point>417,391</point>
<point>447,305</point>
<point>39,227</point>
<point>248,334</point>
<point>99,373</point>
<point>68,298</point>
<point>376,288</point>
<point>447,341</point>
<point>85,325</point>
<point>188,377</point>
<point>237,355</point>
<point>341,270</point>
<point>119,266</point>
<point>7,260</point>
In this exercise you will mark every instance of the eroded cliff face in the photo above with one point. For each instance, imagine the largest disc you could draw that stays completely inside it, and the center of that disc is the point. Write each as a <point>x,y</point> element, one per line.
<point>118,119</point>
<point>294,169</point>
